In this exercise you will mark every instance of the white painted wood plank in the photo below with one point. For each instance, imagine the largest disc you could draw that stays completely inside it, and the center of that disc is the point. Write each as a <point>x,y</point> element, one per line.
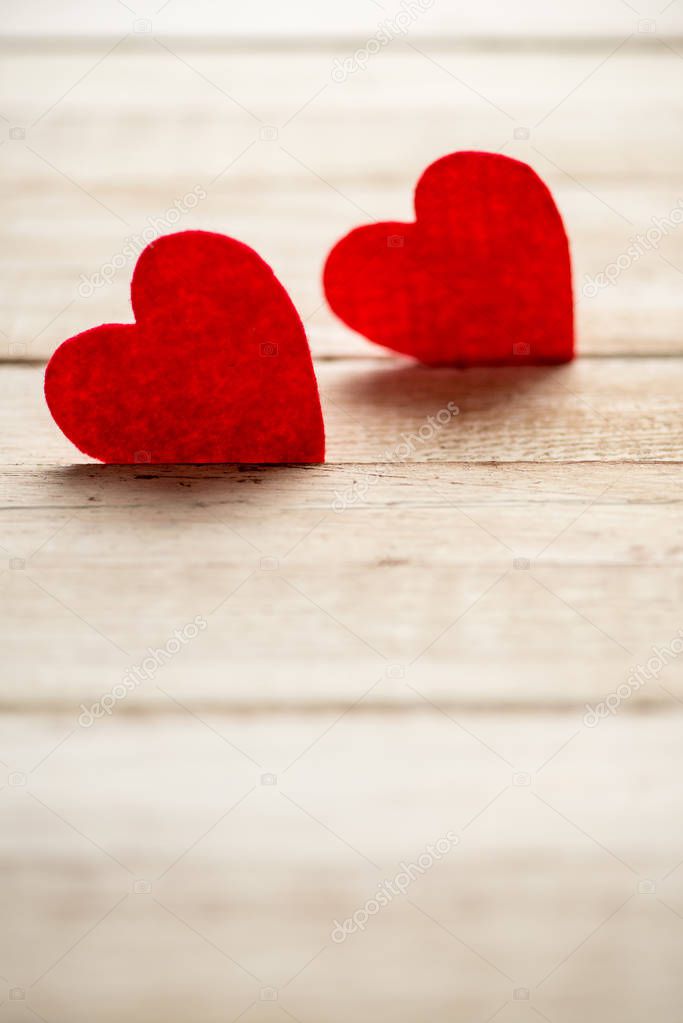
<point>560,837</point>
<point>298,631</point>
<point>610,410</point>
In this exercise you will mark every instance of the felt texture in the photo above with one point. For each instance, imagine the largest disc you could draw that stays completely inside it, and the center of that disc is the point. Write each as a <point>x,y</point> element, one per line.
<point>216,367</point>
<point>483,275</point>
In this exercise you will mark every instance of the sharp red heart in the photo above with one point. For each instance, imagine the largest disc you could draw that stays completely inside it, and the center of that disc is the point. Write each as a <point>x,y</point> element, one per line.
<point>216,367</point>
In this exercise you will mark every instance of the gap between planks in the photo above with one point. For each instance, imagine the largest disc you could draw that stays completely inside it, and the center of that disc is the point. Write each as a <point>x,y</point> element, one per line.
<point>245,45</point>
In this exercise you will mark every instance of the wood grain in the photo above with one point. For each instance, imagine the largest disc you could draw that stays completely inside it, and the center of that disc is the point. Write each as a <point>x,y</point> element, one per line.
<point>398,644</point>
<point>383,579</point>
<point>242,881</point>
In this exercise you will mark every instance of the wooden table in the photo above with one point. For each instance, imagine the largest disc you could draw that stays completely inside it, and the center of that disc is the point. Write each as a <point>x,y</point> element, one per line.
<point>395,649</point>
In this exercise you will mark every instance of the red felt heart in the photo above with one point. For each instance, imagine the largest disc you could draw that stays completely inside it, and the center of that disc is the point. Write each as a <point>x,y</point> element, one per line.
<point>483,276</point>
<point>216,367</point>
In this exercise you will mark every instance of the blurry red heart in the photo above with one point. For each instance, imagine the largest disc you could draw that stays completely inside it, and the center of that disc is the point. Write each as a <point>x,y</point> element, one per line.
<point>483,276</point>
<point>216,367</point>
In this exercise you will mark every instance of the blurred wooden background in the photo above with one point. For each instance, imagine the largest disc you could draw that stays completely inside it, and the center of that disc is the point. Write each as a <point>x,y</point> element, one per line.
<point>395,649</point>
